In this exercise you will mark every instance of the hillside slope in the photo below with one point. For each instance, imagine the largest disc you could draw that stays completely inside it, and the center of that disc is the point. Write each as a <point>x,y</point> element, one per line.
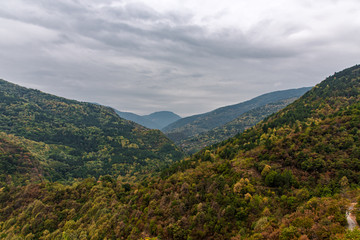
<point>286,178</point>
<point>238,125</point>
<point>17,165</point>
<point>190,126</point>
<point>84,139</point>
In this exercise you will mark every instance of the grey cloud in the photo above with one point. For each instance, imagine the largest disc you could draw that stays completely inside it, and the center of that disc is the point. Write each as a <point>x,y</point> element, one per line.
<point>135,58</point>
<point>119,33</point>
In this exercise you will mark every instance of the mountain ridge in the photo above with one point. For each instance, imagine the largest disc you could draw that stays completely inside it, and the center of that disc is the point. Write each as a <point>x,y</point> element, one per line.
<point>84,139</point>
<point>155,120</point>
<point>230,129</point>
<point>188,127</point>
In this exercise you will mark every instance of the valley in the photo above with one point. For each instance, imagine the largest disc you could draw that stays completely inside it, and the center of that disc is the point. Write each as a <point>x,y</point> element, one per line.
<point>288,177</point>
<point>195,132</point>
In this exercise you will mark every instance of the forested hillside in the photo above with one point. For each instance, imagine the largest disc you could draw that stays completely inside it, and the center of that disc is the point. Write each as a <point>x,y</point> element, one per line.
<point>292,176</point>
<point>78,139</point>
<point>188,127</point>
<point>17,165</point>
<point>238,125</point>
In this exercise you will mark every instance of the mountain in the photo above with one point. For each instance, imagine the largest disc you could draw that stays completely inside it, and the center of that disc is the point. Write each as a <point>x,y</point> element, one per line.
<point>80,139</point>
<point>138,119</point>
<point>162,118</point>
<point>292,176</point>
<point>156,120</point>
<point>239,124</point>
<point>188,127</point>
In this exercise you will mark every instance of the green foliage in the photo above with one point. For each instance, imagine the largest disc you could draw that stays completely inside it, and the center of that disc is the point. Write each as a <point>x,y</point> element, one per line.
<point>352,234</point>
<point>17,165</point>
<point>289,233</point>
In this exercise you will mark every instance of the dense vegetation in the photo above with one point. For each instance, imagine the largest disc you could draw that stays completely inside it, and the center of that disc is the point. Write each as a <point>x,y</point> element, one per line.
<point>290,177</point>
<point>77,140</point>
<point>238,125</point>
<point>17,165</point>
<point>169,209</point>
<point>188,127</point>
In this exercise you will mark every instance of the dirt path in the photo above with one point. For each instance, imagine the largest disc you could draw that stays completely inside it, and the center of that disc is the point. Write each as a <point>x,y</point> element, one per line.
<point>350,217</point>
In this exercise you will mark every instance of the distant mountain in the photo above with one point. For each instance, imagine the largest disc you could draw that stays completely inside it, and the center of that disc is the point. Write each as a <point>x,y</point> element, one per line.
<point>74,139</point>
<point>188,127</point>
<point>163,118</point>
<point>156,120</point>
<point>230,129</point>
<point>138,119</point>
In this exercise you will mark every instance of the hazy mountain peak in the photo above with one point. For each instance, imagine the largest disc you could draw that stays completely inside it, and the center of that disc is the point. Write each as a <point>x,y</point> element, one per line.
<point>162,118</point>
<point>156,120</point>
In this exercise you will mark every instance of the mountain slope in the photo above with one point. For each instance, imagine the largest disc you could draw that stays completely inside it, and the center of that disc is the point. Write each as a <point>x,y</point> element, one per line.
<point>286,178</point>
<point>190,126</point>
<point>17,164</point>
<point>241,123</point>
<point>84,139</point>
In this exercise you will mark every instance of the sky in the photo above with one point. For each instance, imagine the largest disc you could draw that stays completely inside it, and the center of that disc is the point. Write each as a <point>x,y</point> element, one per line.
<point>184,56</point>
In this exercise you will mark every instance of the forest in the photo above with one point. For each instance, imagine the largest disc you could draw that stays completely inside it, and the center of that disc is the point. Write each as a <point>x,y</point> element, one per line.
<point>244,121</point>
<point>292,176</point>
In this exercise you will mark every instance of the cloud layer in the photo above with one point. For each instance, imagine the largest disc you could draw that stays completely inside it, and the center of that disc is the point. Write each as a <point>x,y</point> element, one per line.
<point>185,56</point>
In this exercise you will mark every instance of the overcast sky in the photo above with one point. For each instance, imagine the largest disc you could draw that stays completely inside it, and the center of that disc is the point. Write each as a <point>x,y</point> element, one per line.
<point>187,56</point>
